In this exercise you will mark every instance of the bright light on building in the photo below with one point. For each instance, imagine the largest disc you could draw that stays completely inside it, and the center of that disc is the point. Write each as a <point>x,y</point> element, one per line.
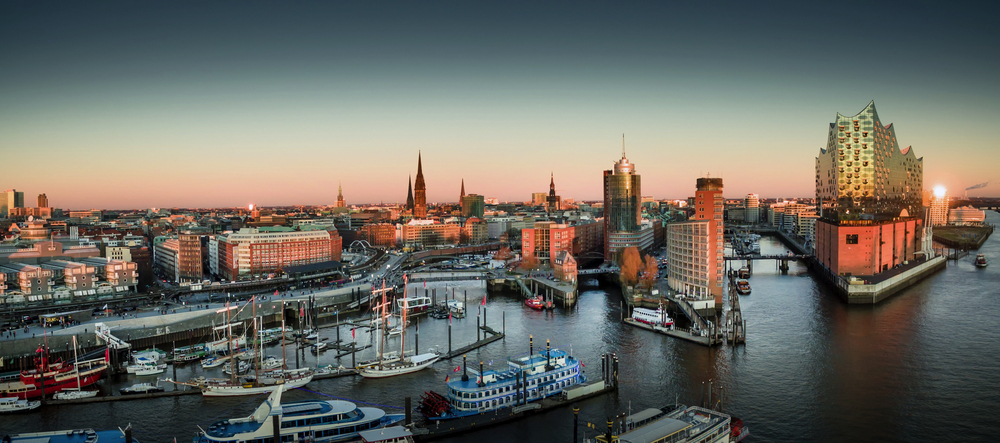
<point>251,206</point>
<point>940,191</point>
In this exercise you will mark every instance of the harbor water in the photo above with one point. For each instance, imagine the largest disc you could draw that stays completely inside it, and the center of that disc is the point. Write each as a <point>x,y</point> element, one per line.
<point>918,367</point>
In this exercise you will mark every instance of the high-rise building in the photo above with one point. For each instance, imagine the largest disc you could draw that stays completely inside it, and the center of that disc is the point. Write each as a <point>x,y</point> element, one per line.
<point>473,205</point>
<point>622,208</point>
<point>752,208</point>
<point>9,200</point>
<point>553,200</point>
<point>938,208</point>
<point>43,201</point>
<point>869,193</point>
<point>340,196</point>
<point>419,192</point>
<point>708,205</point>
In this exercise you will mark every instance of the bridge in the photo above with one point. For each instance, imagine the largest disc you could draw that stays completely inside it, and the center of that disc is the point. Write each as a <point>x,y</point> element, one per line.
<point>611,270</point>
<point>768,257</point>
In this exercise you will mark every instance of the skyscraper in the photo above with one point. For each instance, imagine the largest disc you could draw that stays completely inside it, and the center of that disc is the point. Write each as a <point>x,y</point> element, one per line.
<point>43,201</point>
<point>623,209</point>
<point>752,206</point>
<point>473,205</point>
<point>10,199</point>
<point>420,192</point>
<point>340,196</point>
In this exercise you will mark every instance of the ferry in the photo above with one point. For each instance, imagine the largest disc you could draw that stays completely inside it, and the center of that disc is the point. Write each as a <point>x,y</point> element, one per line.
<point>981,261</point>
<point>317,421</point>
<point>57,376</point>
<point>70,436</point>
<point>657,317</point>
<point>526,379</point>
<point>743,286</point>
<point>678,424</point>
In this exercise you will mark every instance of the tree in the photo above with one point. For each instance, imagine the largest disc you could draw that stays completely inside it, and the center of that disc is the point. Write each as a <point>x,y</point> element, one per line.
<point>630,263</point>
<point>649,270</point>
<point>503,254</point>
<point>529,263</point>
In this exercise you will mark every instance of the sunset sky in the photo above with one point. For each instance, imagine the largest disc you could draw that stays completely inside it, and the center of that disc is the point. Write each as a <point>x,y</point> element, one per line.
<point>198,104</point>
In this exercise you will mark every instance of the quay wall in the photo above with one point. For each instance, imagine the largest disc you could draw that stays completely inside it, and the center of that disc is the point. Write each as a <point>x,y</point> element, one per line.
<point>859,293</point>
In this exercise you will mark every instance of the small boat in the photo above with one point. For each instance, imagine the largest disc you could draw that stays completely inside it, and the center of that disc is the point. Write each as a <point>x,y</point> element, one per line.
<point>271,362</point>
<point>242,367</point>
<point>414,305</point>
<point>743,286</point>
<point>981,261</point>
<point>535,303</point>
<point>141,388</point>
<point>14,404</point>
<point>214,362</point>
<point>151,370</point>
<point>744,272</point>
<point>319,347</point>
<point>73,394</point>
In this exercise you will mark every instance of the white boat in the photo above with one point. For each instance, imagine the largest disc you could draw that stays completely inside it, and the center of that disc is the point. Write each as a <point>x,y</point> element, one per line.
<point>142,366</point>
<point>230,390</point>
<point>14,404</point>
<point>73,394</point>
<point>247,355</point>
<point>981,261</point>
<point>271,362</point>
<point>388,357</point>
<point>151,370</point>
<point>654,317</point>
<point>319,347</point>
<point>404,366</point>
<point>681,425</point>
<point>242,367</point>
<point>214,362</point>
<point>141,388</point>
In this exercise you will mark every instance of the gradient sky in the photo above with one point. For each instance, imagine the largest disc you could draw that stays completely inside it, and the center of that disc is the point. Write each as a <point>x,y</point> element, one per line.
<point>196,104</point>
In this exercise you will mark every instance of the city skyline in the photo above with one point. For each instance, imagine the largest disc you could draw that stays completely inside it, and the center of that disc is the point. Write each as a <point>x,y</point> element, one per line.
<point>228,104</point>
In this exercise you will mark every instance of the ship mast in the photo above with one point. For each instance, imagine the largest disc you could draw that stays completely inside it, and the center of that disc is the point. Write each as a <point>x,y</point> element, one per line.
<point>258,348</point>
<point>232,357</point>
<point>283,358</point>
<point>385,327</point>
<point>402,323</point>
<point>76,365</point>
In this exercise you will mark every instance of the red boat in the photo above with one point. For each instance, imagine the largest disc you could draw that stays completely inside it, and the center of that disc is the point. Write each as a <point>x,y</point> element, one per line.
<point>535,303</point>
<point>58,376</point>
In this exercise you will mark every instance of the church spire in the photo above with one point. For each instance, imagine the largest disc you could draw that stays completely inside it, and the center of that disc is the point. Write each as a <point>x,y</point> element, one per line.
<point>552,184</point>
<point>409,194</point>
<point>460,197</point>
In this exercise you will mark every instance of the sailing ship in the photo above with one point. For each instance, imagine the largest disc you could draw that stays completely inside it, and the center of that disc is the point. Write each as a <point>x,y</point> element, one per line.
<point>526,379</point>
<point>74,393</point>
<point>318,421</point>
<point>405,365</point>
<point>54,377</point>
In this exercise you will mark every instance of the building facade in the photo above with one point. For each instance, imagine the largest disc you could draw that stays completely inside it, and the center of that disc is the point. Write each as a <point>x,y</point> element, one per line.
<point>938,209</point>
<point>428,233</point>
<point>473,205</point>
<point>688,258</point>
<point>751,205</point>
<point>255,252</point>
<point>9,200</point>
<point>622,208</point>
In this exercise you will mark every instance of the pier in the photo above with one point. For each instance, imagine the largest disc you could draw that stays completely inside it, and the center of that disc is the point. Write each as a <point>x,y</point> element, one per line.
<point>107,398</point>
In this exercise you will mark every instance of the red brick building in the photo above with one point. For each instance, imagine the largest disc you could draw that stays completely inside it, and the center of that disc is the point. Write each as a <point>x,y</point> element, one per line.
<point>867,247</point>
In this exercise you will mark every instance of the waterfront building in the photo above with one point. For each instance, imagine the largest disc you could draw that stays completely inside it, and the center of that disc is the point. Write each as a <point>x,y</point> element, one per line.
<point>938,208</point>
<point>254,252</point>
<point>429,233</point>
<point>751,212</point>
<point>966,215</point>
<point>189,260</point>
<point>547,239</point>
<point>622,209</point>
<point>419,192</point>
<point>9,200</point>
<point>43,201</point>
<point>564,267</point>
<point>869,193</point>
<point>473,205</point>
<point>694,248</point>
<point>553,200</point>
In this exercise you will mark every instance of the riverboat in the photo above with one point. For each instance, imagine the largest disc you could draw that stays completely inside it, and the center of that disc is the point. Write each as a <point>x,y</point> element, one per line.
<point>318,421</point>
<point>14,404</point>
<point>69,436</point>
<point>654,317</point>
<point>677,424</point>
<point>981,261</point>
<point>526,379</point>
<point>535,303</point>
<point>743,286</point>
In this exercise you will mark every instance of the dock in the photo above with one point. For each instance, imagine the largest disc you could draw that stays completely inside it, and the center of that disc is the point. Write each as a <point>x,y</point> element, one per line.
<point>473,346</point>
<point>108,398</point>
<point>683,334</point>
<point>338,374</point>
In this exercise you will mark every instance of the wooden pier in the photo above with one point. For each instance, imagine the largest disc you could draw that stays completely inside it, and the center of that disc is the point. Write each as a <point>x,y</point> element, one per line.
<point>683,334</point>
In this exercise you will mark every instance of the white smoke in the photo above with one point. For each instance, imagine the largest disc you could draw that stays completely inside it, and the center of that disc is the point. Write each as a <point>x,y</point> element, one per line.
<point>981,185</point>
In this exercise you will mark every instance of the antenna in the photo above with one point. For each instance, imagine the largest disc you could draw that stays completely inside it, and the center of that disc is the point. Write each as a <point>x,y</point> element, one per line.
<point>623,145</point>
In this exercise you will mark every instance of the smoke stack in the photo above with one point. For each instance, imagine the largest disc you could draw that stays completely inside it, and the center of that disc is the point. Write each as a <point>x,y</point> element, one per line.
<point>531,345</point>
<point>465,375</point>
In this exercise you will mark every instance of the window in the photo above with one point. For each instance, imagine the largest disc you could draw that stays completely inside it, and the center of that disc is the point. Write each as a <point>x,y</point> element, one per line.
<point>852,239</point>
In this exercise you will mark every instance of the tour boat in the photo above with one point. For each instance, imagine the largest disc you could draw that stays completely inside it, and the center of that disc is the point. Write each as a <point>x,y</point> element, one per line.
<point>414,305</point>
<point>144,366</point>
<point>526,379</point>
<point>14,404</point>
<point>981,261</point>
<point>73,394</point>
<point>69,436</point>
<point>141,388</point>
<point>535,303</point>
<point>654,317</point>
<point>318,421</point>
<point>677,424</point>
<point>743,286</point>
<point>57,376</point>
<point>189,353</point>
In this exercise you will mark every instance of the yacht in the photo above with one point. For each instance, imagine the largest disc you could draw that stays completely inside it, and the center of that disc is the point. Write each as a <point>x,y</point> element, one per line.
<point>317,421</point>
<point>152,370</point>
<point>14,404</point>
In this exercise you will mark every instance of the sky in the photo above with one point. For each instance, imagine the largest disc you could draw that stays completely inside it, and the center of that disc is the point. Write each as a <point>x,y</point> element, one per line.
<point>202,104</point>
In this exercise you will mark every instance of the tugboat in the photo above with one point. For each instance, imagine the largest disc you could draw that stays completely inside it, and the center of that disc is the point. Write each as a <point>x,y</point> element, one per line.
<point>744,272</point>
<point>526,379</point>
<point>535,303</point>
<point>743,286</point>
<point>981,261</point>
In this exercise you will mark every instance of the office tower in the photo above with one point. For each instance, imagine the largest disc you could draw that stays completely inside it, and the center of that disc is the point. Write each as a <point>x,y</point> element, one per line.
<point>43,201</point>
<point>9,200</point>
<point>622,208</point>
<point>752,205</point>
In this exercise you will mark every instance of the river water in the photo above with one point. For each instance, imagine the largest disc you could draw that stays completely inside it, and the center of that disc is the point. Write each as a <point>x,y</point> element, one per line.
<point>920,366</point>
